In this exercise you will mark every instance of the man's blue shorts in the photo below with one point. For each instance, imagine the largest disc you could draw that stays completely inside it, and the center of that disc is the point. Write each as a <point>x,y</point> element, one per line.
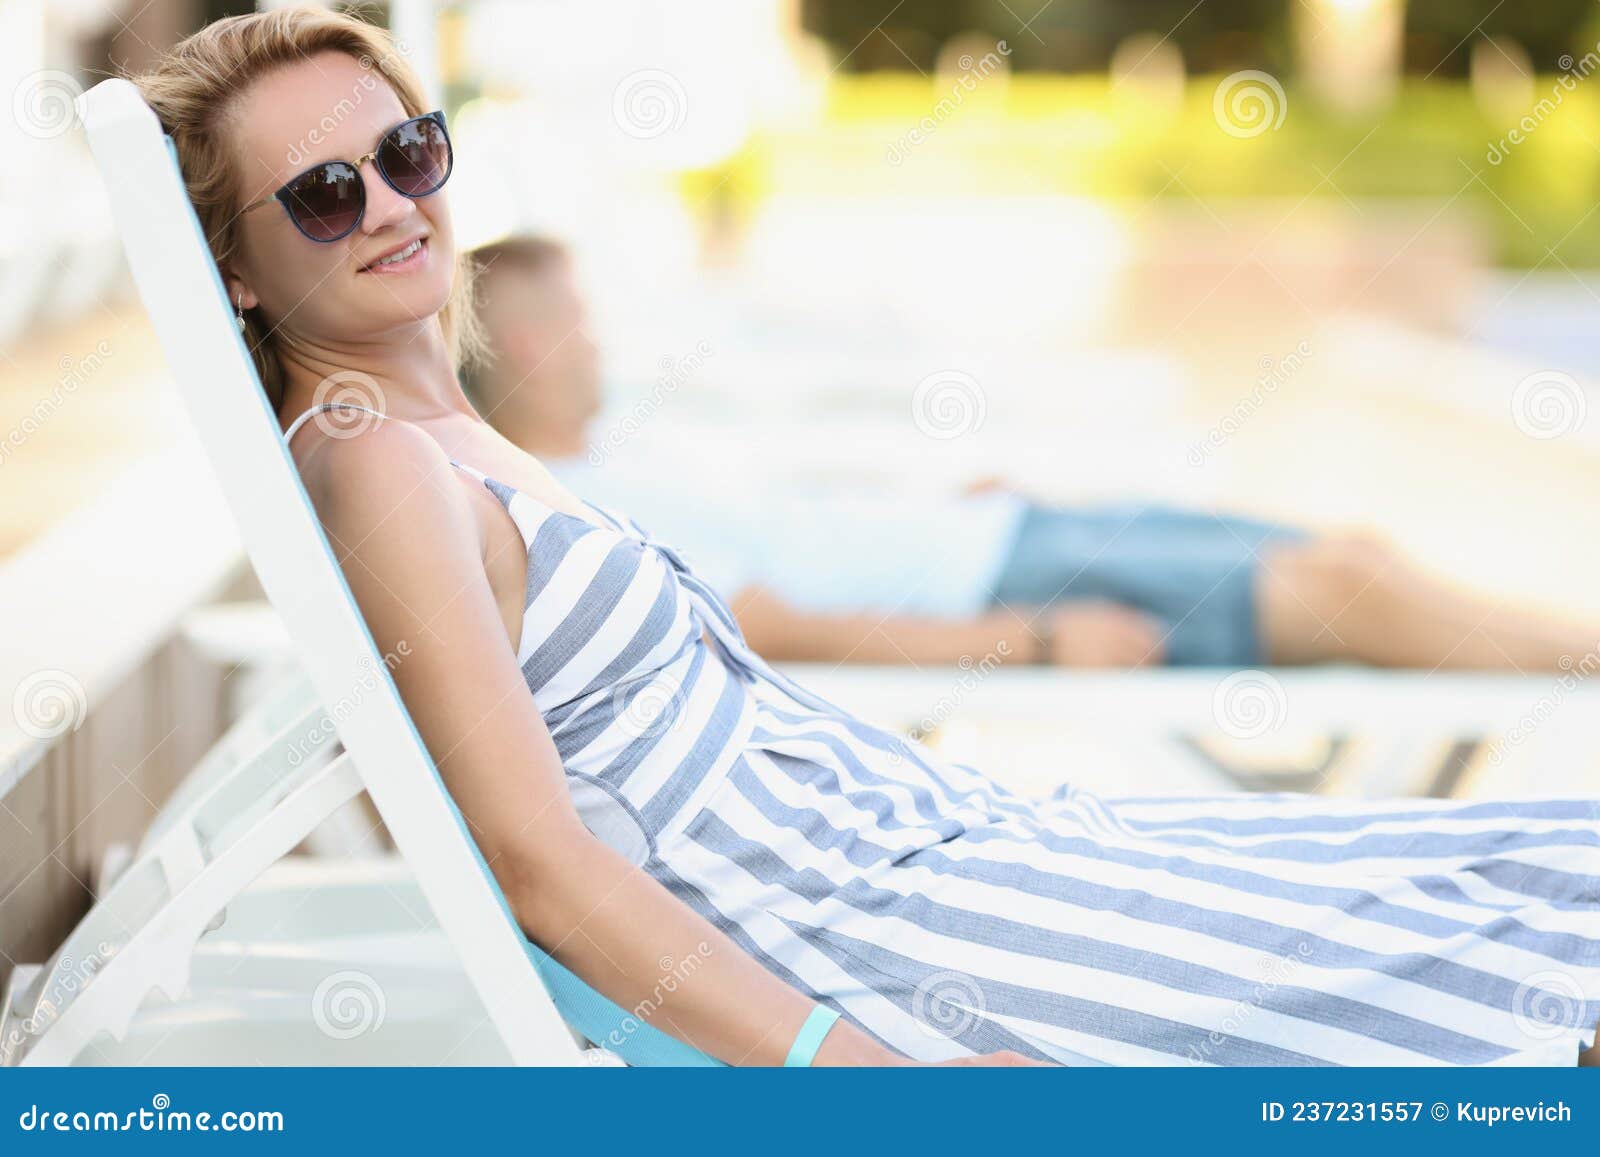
<point>1197,573</point>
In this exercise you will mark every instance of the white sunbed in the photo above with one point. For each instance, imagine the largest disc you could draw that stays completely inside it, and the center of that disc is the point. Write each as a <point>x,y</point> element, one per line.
<point>316,961</point>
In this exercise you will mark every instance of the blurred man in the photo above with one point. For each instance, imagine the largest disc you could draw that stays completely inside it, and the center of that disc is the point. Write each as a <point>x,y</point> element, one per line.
<point>880,579</point>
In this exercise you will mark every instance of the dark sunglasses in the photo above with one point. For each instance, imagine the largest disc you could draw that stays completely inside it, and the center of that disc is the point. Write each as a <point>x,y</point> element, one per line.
<point>326,201</point>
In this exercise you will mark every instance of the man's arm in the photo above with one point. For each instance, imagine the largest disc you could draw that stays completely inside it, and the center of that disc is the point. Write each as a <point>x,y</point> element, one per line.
<point>783,633</point>
<point>1083,634</point>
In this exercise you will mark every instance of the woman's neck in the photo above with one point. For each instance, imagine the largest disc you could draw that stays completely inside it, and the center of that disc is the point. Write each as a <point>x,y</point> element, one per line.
<point>406,374</point>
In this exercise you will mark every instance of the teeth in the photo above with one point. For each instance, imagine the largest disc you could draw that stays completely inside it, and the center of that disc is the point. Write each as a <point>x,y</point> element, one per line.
<point>402,255</point>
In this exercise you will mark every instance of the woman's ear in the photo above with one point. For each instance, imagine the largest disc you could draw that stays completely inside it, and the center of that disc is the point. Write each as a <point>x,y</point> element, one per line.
<point>239,294</point>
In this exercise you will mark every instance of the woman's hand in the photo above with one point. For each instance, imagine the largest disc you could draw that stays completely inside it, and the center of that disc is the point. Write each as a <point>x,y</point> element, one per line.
<point>1005,1059</point>
<point>1001,1060</point>
<point>848,1045</point>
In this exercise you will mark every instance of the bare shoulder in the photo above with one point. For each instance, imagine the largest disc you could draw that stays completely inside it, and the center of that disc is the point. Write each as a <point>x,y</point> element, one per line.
<point>384,477</point>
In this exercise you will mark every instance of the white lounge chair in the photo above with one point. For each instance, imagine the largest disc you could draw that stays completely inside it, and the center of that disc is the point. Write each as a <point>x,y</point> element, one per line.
<point>268,785</point>
<point>307,965</point>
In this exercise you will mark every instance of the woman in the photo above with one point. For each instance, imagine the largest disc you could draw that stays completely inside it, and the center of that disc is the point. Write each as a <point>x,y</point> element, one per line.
<point>650,795</point>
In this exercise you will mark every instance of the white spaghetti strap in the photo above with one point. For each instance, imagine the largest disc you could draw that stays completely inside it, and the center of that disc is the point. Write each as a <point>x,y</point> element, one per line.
<point>323,407</point>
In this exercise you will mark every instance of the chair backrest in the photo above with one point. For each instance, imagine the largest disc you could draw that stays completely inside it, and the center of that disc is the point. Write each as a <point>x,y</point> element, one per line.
<point>184,297</point>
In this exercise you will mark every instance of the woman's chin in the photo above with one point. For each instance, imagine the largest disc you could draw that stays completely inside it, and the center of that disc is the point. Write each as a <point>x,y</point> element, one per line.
<point>400,304</point>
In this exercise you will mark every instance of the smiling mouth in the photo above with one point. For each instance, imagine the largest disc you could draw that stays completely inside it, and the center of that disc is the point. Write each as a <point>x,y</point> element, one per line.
<point>401,260</point>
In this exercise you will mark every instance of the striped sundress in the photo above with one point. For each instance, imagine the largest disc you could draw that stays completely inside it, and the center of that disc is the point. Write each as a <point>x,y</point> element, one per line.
<point>945,915</point>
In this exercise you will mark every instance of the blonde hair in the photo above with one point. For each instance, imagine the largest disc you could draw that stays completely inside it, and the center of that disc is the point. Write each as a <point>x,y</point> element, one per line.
<point>195,91</point>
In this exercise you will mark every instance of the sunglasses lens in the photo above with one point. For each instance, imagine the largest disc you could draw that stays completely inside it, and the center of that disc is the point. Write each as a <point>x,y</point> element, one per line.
<point>326,202</point>
<point>416,158</point>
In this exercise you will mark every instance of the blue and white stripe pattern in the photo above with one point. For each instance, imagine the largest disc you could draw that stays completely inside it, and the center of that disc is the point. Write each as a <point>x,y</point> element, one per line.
<point>946,915</point>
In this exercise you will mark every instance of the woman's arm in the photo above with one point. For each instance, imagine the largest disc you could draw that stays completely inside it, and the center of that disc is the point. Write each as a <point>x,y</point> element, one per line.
<point>407,537</point>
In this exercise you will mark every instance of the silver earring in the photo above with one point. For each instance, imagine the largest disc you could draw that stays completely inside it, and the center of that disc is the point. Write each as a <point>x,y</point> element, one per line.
<point>239,311</point>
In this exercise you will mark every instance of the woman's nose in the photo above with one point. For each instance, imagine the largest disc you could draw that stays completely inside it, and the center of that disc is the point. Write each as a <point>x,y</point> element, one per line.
<point>385,207</point>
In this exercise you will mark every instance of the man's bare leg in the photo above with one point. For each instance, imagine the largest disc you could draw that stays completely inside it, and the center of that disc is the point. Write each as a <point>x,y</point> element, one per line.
<point>1352,597</point>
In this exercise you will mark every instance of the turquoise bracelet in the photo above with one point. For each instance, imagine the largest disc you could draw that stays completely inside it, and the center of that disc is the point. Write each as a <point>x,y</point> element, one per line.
<point>809,1039</point>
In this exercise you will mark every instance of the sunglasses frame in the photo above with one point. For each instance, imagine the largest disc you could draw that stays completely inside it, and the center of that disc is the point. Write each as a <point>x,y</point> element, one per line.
<point>282,195</point>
